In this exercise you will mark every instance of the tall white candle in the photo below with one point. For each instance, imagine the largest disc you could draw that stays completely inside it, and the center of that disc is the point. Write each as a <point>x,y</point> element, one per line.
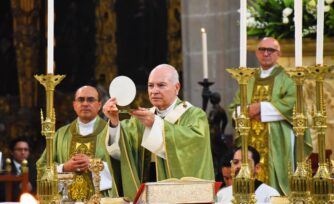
<point>298,9</point>
<point>50,35</point>
<point>205,54</point>
<point>320,32</point>
<point>243,33</point>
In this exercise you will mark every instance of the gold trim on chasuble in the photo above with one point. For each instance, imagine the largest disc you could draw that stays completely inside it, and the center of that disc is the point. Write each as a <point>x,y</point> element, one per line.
<point>169,174</point>
<point>128,160</point>
<point>82,187</point>
<point>174,117</point>
<point>258,136</point>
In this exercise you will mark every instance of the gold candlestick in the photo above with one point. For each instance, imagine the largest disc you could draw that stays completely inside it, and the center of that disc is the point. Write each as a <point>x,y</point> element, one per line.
<point>243,183</point>
<point>95,166</point>
<point>300,180</point>
<point>322,186</point>
<point>47,179</point>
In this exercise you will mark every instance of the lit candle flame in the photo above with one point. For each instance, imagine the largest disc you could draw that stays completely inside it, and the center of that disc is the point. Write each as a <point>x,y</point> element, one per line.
<point>27,198</point>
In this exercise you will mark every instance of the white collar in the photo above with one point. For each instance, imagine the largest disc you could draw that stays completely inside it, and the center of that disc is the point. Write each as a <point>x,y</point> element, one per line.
<point>86,124</point>
<point>163,113</point>
<point>267,72</point>
<point>86,128</point>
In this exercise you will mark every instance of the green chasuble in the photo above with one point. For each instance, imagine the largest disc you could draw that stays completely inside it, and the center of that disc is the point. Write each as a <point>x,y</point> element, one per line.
<point>68,141</point>
<point>187,146</point>
<point>275,141</point>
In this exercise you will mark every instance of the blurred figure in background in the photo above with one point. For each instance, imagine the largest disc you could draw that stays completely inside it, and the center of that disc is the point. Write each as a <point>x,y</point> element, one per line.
<point>226,172</point>
<point>263,192</point>
<point>19,149</point>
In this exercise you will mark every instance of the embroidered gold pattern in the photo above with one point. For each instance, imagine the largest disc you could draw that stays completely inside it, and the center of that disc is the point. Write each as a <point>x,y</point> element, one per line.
<point>79,190</point>
<point>258,137</point>
<point>82,187</point>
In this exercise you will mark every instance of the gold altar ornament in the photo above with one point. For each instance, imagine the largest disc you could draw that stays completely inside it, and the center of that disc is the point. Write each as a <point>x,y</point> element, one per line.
<point>301,179</point>
<point>322,184</point>
<point>47,178</point>
<point>243,183</point>
<point>96,166</point>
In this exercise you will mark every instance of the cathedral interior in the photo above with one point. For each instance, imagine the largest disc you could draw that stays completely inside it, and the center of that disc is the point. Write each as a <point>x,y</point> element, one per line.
<point>95,41</point>
<point>98,40</point>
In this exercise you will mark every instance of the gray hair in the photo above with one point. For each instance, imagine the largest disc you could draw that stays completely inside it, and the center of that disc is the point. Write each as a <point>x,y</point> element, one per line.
<point>174,75</point>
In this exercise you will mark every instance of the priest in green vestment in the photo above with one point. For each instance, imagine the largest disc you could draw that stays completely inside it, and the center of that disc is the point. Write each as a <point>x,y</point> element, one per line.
<point>271,96</point>
<point>81,140</point>
<point>169,140</point>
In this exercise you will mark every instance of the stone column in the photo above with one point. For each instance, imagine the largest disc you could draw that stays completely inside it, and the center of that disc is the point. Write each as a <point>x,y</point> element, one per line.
<point>220,18</point>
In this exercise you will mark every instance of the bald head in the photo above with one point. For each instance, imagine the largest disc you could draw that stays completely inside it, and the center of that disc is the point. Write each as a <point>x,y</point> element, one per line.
<point>85,88</point>
<point>270,40</point>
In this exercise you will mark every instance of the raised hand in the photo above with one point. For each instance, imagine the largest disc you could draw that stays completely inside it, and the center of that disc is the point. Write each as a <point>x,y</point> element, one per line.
<point>111,111</point>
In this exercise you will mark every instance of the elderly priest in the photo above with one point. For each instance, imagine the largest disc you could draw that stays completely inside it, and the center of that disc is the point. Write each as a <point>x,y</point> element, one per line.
<point>169,140</point>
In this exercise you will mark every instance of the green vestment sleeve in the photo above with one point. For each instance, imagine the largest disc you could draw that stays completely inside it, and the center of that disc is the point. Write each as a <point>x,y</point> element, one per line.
<point>187,148</point>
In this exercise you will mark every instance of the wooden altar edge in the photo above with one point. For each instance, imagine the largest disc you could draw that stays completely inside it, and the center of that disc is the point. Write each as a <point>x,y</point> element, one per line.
<point>288,46</point>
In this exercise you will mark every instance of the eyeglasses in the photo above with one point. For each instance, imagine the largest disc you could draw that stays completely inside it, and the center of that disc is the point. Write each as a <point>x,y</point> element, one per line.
<point>21,149</point>
<point>268,49</point>
<point>87,99</point>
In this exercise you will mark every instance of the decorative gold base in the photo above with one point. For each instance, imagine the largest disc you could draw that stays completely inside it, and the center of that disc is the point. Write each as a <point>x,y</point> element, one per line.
<point>243,191</point>
<point>322,186</point>
<point>47,187</point>
<point>244,198</point>
<point>300,184</point>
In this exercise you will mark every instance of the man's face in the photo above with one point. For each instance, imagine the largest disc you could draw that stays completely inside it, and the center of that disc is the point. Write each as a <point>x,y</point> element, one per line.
<point>237,159</point>
<point>162,92</point>
<point>86,104</point>
<point>227,175</point>
<point>21,151</point>
<point>268,52</point>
